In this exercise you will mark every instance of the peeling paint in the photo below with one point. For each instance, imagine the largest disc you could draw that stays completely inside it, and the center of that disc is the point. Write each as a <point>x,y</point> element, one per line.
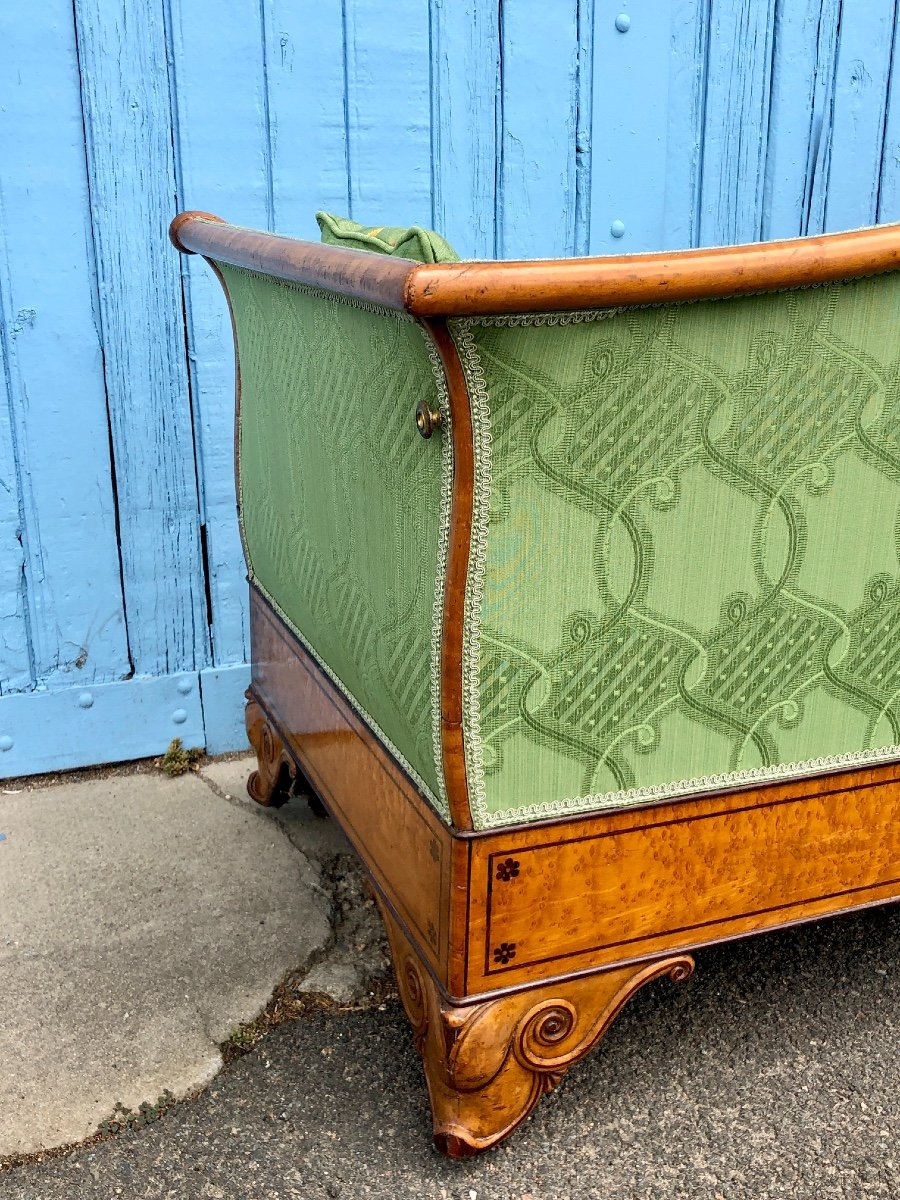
<point>25,318</point>
<point>518,129</point>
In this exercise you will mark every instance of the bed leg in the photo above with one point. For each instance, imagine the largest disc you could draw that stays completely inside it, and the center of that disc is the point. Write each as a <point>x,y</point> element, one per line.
<point>487,1064</point>
<point>270,784</point>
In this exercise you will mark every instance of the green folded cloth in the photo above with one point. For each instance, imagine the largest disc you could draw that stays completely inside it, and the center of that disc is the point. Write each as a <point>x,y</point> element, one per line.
<point>421,245</point>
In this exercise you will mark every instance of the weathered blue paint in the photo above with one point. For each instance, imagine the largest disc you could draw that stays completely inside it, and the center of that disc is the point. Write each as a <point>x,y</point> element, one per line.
<point>219,90</point>
<point>129,718</point>
<point>304,49</point>
<point>800,125</point>
<point>128,124</point>
<point>860,101</point>
<point>735,132</point>
<point>539,102</point>
<point>63,616</point>
<point>222,692</point>
<point>632,87</point>
<point>517,127</point>
<point>465,118</point>
<point>388,107</point>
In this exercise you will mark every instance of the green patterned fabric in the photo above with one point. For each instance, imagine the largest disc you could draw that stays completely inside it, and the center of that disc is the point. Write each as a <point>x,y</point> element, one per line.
<point>420,245</point>
<point>684,572</point>
<point>342,501</point>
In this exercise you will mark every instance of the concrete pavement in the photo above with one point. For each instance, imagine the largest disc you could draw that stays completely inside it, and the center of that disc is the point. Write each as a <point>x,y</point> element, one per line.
<point>142,920</point>
<point>772,1074</point>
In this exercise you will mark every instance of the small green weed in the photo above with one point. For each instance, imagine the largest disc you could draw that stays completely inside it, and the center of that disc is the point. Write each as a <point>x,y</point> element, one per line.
<point>177,760</point>
<point>127,1118</point>
<point>242,1037</point>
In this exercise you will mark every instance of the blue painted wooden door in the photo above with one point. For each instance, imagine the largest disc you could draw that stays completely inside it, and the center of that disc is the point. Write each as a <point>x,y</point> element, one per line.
<point>528,128</point>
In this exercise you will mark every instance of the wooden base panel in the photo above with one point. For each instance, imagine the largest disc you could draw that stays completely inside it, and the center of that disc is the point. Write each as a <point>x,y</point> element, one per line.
<point>514,948</point>
<point>488,1064</point>
<point>296,711</point>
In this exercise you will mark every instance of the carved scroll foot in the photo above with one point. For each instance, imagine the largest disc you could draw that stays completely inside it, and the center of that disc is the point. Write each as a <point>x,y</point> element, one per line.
<point>488,1064</point>
<point>270,784</point>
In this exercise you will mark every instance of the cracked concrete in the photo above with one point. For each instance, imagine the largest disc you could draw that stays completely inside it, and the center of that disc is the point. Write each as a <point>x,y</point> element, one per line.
<point>358,955</point>
<point>142,919</point>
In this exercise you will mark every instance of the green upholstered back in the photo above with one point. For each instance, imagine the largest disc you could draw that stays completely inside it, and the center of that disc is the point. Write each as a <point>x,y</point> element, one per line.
<point>342,501</point>
<point>684,572</point>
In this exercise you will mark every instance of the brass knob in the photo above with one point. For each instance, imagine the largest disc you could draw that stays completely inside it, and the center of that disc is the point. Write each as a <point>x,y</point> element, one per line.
<point>427,419</point>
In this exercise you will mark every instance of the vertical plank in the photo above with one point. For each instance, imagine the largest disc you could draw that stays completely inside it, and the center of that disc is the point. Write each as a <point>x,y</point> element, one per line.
<point>584,125</point>
<point>465,67</point>
<point>646,122</point>
<point>304,49</point>
<point>538,81</point>
<point>15,651</point>
<point>219,91</point>
<point>736,121</point>
<point>128,127</point>
<point>222,160</point>
<point>388,97</point>
<point>889,184</point>
<point>66,585</point>
<point>863,67</point>
<point>686,75</point>
<point>800,128</point>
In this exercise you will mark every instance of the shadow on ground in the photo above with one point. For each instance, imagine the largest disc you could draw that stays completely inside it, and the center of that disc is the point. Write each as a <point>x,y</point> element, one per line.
<point>774,1072</point>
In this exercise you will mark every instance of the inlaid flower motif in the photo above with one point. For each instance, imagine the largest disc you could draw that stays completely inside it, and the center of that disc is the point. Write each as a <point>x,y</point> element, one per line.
<point>504,952</point>
<point>507,870</point>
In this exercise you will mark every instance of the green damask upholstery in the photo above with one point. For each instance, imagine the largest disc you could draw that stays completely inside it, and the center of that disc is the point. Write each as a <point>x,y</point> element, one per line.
<point>341,499</point>
<point>688,524</point>
<point>684,572</point>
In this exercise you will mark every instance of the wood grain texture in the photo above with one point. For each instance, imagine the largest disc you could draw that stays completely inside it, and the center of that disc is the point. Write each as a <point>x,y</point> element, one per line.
<point>510,287</point>
<point>388,106</point>
<point>454,758</point>
<point>514,949</point>
<point>377,278</point>
<point>488,1064</point>
<point>800,126</point>
<point>399,838</point>
<point>62,617</point>
<point>270,784</point>
<point>536,167</point>
<point>631,884</point>
<point>860,96</point>
<point>128,126</point>
<point>736,121</point>
<point>472,288</point>
<point>465,118</point>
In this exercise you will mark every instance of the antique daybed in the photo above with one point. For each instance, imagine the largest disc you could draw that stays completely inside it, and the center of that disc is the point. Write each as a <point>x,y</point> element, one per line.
<point>575,597</point>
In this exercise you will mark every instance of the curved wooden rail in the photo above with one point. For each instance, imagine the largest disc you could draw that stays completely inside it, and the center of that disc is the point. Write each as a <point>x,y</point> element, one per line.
<point>377,278</point>
<point>550,285</point>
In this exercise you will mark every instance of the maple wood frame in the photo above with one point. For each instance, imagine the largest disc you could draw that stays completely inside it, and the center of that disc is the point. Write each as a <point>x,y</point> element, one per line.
<point>613,899</point>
